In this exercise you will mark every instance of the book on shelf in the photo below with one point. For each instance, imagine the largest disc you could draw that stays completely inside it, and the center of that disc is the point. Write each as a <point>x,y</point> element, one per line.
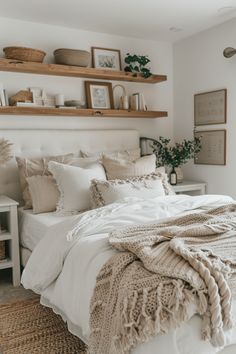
<point>137,102</point>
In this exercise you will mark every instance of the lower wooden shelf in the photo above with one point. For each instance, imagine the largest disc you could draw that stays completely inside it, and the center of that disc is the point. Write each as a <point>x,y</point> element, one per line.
<point>113,113</point>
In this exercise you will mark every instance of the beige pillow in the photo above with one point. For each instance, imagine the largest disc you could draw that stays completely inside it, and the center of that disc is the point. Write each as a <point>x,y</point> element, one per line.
<point>131,154</point>
<point>145,187</point>
<point>33,167</point>
<point>122,169</point>
<point>44,193</point>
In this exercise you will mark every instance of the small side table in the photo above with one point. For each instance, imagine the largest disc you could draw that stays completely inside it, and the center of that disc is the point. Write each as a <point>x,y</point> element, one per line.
<point>9,234</point>
<point>190,187</point>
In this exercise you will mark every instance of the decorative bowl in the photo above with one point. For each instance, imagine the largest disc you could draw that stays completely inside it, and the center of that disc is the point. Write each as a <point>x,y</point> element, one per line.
<point>74,57</point>
<point>24,54</point>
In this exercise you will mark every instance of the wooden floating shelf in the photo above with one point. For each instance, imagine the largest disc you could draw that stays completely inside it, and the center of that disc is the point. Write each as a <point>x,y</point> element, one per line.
<point>114,113</point>
<point>75,71</point>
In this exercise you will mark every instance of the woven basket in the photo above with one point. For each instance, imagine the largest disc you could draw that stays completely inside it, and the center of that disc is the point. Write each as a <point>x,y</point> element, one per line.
<point>2,250</point>
<point>24,54</point>
<point>21,96</point>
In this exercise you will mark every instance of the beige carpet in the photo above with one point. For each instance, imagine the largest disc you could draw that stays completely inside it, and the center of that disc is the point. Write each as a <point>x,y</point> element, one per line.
<point>26,327</point>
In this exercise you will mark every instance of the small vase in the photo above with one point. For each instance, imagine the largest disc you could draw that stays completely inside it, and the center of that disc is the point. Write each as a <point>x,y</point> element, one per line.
<point>173,177</point>
<point>180,174</point>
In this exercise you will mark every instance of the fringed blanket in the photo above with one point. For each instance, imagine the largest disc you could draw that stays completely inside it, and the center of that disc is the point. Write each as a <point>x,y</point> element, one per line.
<point>162,271</point>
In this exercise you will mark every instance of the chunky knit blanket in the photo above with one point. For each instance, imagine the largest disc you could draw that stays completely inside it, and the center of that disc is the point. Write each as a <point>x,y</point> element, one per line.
<point>162,272</point>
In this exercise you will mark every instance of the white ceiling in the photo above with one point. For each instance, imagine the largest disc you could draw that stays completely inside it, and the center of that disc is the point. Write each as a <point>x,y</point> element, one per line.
<point>151,19</point>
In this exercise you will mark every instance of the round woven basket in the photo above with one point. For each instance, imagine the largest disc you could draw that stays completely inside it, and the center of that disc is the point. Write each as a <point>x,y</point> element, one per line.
<point>2,250</point>
<point>24,54</point>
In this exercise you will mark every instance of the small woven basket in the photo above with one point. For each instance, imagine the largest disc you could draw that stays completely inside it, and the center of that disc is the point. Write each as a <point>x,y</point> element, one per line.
<point>24,54</point>
<point>2,250</point>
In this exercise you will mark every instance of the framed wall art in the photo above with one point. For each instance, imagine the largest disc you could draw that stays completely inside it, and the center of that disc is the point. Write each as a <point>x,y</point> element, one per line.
<point>99,95</point>
<point>213,151</point>
<point>210,107</point>
<point>105,58</point>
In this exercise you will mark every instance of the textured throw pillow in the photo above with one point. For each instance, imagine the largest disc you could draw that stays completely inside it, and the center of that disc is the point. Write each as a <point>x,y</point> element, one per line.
<point>131,154</point>
<point>33,167</point>
<point>44,193</point>
<point>122,169</point>
<point>145,187</point>
<point>74,183</point>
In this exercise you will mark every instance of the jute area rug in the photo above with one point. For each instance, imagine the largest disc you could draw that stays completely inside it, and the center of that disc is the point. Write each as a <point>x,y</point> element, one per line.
<point>26,327</point>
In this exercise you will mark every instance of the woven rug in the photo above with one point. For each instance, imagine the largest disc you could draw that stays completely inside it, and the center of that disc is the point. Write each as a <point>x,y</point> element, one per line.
<point>26,327</point>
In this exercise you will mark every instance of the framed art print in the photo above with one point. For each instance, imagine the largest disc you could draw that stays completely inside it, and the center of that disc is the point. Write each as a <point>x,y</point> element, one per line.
<point>105,58</point>
<point>99,95</point>
<point>213,151</point>
<point>210,107</point>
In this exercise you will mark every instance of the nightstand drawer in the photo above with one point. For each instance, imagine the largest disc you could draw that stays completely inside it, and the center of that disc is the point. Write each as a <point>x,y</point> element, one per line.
<point>190,187</point>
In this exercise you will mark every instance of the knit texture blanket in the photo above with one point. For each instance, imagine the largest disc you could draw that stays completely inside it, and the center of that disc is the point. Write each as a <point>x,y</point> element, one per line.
<point>161,272</point>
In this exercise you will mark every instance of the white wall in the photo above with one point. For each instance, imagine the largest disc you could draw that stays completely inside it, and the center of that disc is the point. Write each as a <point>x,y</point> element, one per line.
<point>199,66</point>
<point>48,38</point>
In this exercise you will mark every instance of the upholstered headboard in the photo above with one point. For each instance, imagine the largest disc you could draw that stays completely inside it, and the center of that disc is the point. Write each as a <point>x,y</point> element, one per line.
<point>36,143</point>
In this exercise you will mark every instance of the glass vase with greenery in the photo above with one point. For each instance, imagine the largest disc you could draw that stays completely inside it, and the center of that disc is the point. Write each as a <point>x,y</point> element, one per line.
<point>175,155</point>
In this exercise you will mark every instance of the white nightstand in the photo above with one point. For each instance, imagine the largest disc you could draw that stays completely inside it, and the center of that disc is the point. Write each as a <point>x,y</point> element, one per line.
<point>9,223</point>
<point>190,187</point>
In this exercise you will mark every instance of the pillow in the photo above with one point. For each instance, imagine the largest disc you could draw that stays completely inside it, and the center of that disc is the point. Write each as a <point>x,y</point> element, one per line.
<point>44,193</point>
<point>74,183</point>
<point>122,169</point>
<point>33,167</point>
<point>150,186</point>
<point>131,154</point>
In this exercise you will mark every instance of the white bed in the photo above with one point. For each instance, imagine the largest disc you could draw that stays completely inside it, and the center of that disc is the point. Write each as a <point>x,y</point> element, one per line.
<point>67,284</point>
<point>69,291</point>
<point>32,227</point>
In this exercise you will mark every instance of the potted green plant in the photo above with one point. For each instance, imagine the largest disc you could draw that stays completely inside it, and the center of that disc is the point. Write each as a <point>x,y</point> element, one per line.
<point>175,155</point>
<point>137,64</point>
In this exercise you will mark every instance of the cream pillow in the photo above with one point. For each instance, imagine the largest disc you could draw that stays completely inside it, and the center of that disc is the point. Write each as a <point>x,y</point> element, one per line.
<point>36,166</point>
<point>131,154</point>
<point>145,187</point>
<point>44,193</point>
<point>122,169</point>
<point>74,183</point>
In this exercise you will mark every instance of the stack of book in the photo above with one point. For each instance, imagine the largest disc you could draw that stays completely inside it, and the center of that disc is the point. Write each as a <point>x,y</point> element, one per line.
<point>3,96</point>
<point>137,102</point>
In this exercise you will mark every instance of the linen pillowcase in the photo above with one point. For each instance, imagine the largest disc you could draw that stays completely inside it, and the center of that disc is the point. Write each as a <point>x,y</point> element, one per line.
<point>146,187</point>
<point>44,193</point>
<point>36,166</point>
<point>122,169</point>
<point>130,155</point>
<point>74,183</point>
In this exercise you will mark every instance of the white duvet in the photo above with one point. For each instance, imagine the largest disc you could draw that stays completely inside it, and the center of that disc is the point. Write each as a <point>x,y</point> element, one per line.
<point>64,265</point>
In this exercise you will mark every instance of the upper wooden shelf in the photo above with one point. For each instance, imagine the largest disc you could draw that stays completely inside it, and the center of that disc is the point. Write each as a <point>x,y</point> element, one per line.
<point>75,71</point>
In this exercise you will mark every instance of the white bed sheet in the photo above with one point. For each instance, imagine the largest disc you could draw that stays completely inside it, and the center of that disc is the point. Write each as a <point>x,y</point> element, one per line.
<point>67,283</point>
<point>32,227</point>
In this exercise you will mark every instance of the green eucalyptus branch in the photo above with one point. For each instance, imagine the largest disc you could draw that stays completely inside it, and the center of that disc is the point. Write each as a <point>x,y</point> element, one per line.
<point>177,154</point>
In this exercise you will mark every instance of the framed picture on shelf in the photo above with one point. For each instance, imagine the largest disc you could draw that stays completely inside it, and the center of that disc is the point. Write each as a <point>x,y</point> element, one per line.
<point>210,108</point>
<point>99,95</point>
<point>105,58</point>
<point>213,151</point>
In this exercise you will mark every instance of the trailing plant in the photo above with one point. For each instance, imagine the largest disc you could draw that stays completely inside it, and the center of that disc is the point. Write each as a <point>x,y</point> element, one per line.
<point>177,154</point>
<point>137,63</point>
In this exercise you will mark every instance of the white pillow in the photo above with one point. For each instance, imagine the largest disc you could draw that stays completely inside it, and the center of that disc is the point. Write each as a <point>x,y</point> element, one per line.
<point>131,154</point>
<point>145,187</point>
<point>73,183</point>
<point>44,193</point>
<point>122,169</point>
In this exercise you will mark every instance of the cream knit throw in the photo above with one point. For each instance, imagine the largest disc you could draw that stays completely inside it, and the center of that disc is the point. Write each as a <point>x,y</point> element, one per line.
<point>164,268</point>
